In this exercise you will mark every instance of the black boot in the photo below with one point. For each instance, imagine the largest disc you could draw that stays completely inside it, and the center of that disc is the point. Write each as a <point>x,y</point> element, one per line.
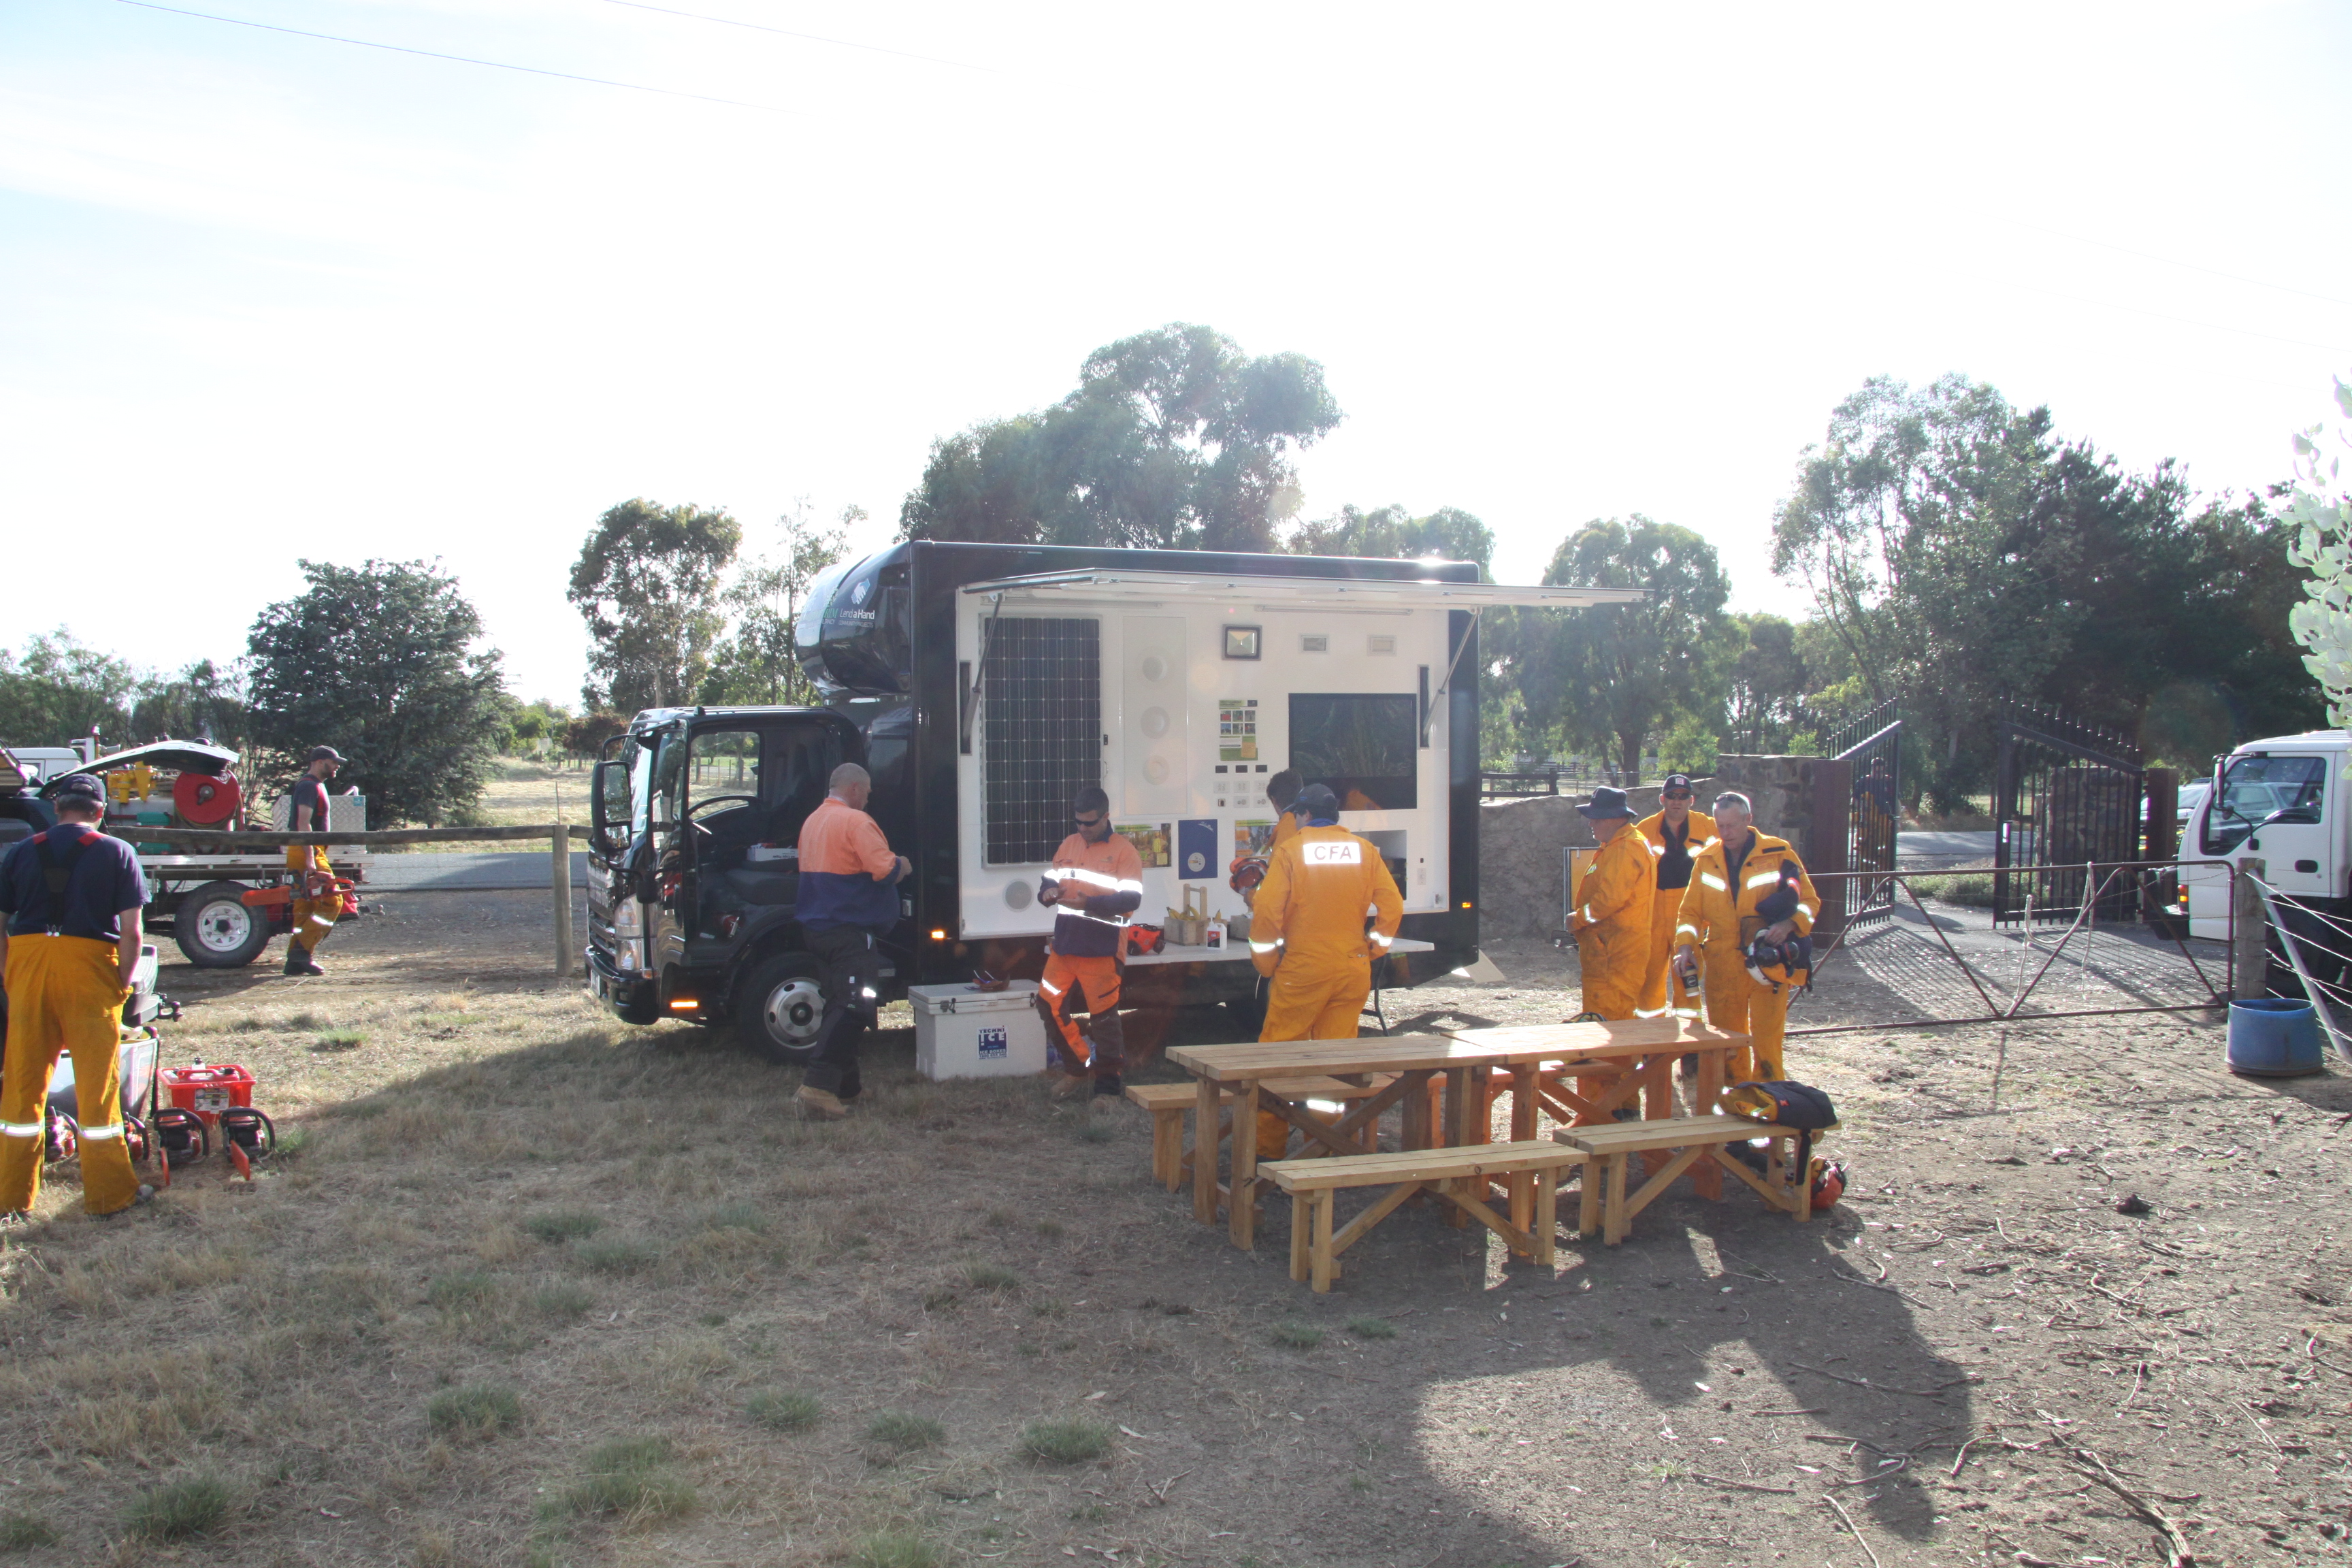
<point>300,962</point>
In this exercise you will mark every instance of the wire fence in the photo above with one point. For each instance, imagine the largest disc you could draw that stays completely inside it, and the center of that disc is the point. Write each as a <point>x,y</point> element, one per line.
<point>1943,959</point>
<point>2317,945</point>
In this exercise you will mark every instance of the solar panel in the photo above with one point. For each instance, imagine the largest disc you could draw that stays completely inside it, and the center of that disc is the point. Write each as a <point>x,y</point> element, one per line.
<point>1041,726</point>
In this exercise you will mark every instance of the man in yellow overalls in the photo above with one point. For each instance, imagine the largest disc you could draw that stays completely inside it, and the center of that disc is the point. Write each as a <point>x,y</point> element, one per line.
<point>1738,885</point>
<point>1675,833</point>
<point>314,917</point>
<point>1307,932</point>
<point>69,948</point>
<point>1612,920</point>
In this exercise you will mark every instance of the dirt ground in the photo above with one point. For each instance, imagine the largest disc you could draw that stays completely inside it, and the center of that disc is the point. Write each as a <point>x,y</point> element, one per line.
<point>539,1287</point>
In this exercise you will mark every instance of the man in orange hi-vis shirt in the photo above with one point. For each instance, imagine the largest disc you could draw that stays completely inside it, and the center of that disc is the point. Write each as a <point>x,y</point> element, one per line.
<point>848,896</point>
<point>1096,881</point>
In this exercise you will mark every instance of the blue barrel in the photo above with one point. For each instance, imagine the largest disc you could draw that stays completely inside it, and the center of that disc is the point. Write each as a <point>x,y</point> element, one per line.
<point>2272,1037</point>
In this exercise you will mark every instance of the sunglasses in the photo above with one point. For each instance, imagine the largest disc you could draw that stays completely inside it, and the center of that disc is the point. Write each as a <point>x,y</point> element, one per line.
<point>1678,797</point>
<point>1088,821</point>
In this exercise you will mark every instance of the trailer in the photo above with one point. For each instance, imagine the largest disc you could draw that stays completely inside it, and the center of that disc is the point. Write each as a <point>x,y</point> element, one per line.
<point>179,784</point>
<point>982,685</point>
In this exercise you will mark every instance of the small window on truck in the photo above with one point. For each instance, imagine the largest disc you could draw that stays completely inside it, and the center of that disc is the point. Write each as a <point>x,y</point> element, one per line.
<point>2255,791</point>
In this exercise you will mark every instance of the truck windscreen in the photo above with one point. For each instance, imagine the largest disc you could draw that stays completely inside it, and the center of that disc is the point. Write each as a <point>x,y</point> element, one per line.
<point>2256,790</point>
<point>1359,745</point>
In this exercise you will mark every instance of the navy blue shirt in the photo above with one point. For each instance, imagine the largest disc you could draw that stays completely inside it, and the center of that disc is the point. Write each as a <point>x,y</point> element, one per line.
<point>310,801</point>
<point>105,882</point>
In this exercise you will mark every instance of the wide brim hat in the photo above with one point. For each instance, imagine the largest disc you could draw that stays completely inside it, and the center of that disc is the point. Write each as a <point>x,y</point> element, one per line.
<point>1606,804</point>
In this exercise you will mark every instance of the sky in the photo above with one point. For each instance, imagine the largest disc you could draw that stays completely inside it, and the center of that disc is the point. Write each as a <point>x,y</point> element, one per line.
<point>266,297</point>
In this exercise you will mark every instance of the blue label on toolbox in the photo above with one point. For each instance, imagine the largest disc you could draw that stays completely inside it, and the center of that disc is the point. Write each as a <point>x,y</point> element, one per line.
<point>993,1044</point>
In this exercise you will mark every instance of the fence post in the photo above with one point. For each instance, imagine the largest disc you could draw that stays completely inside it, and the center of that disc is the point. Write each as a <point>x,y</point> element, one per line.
<point>559,847</point>
<point>2249,953</point>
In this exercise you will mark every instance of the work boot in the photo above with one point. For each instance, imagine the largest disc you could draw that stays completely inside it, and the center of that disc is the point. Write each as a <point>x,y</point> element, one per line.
<point>1072,1083</point>
<point>1109,1092</point>
<point>298,960</point>
<point>820,1104</point>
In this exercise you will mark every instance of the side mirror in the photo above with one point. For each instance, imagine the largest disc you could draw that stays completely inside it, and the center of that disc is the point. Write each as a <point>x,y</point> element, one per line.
<point>608,798</point>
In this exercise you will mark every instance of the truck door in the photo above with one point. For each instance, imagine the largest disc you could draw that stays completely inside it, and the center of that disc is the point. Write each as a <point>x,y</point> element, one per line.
<point>2278,806</point>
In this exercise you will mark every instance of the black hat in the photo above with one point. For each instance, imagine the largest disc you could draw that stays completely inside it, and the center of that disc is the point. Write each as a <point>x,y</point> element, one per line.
<point>86,788</point>
<point>1675,782</point>
<point>324,755</point>
<point>1605,804</point>
<point>1316,800</point>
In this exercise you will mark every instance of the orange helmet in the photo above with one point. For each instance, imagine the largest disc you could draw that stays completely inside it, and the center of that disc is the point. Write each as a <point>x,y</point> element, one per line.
<point>1247,872</point>
<point>1829,1183</point>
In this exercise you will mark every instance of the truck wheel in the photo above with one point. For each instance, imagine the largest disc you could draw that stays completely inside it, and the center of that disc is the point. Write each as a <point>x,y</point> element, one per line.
<point>778,1008</point>
<point>217,929</point>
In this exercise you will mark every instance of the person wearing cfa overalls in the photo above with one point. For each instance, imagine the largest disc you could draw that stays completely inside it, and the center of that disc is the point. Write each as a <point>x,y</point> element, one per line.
<point>313,917</point>
<point>1095,883</point>
<point>69,948</point>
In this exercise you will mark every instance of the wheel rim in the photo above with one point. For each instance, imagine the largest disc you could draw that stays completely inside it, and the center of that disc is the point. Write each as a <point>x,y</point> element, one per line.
<point>224,926</point>
<point>793,1011</point>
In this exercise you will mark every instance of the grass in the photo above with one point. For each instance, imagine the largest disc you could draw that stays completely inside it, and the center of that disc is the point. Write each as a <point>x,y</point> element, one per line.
<point>991,1277</point>
<point>785,1411</point>
<point>894,1549</point>
<point>22,1532</point>
<point>1298,1336</point>
<point>897,1430</point>
<point>613,1255</point>
<point>562,1300</point>
<point>462,1292</point>
<point>1371,1327</point>
<point>1065,1442</point>
<point>633,1476</point>
<point>564,1225</point>
<point>1091,1130</point>
<point>736,1217</point>
<point>180,1510</point>
<point>343,1039</point>
<point>1973,889</point>
<point>478,1410</point>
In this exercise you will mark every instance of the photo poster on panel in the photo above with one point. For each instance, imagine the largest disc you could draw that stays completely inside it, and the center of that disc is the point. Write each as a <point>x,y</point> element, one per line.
<point>1196,848</point>
<point>1149,839</point>
<point>1237,729</point>
<point>1253,838</point>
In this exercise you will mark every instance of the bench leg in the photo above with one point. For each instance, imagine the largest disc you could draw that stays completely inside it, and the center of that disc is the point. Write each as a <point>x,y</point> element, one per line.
<point>1168,1146</point>
<point>1204,1152</point>
<point>1321,1258</point>
<point>1547,1196</point>
<point>1242,1201</point>
<point>1464,1098</point>
<point>1588,1198</point>
<point>1301,1216</point>
<point>1614,1220</point>
<point>1523,1130</point>
<point>1707,1177</point>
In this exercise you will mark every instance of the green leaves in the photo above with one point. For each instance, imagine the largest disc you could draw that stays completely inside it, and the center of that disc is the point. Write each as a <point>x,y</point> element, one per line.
<point>646,584</point>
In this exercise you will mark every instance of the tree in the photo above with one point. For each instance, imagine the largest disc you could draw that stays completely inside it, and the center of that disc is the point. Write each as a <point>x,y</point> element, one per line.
<point>1768,682</point>
<point>1389,532</point>
<point>1617,675</point>
<point>586,736</point>
<point>1174,440</point>
<point>1962,556</point>
<point>379,661</point>
<point>534,725</point>
<point>2320,512</point>
<point>60,690</point>
<point>204,701</point>
<point>756,663</point>
<point>646,584</point>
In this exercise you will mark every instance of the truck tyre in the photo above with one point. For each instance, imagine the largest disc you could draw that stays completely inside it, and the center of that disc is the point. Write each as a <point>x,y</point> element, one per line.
<point>778,1008</point>
<point>216,929</point>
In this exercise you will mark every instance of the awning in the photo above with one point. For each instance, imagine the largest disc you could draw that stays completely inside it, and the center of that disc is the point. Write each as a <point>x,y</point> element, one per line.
<point>184,756</point>
<point>1306,592</point>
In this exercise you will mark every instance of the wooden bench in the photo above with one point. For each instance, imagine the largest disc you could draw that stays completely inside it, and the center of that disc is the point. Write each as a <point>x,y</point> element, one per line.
<point>1604,1200</point>
<point>1458,1175</point>
<point>1172,1162</point>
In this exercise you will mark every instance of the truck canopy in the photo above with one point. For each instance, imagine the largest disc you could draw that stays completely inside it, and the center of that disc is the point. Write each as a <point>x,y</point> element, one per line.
<point>1306,592</point>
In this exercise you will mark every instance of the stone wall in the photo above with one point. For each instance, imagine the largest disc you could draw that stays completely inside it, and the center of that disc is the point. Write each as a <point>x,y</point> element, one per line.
<point>1519,845</point>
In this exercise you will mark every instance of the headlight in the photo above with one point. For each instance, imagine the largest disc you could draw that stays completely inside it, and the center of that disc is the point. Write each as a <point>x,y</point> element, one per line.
<point>628,917</point>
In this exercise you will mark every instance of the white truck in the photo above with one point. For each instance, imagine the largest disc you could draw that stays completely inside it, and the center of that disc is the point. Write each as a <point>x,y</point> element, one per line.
<point>2282,801</point>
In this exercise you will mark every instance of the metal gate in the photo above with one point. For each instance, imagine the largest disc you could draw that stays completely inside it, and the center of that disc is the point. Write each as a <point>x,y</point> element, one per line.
<point>1874,745</point>
<point>2066,796</point>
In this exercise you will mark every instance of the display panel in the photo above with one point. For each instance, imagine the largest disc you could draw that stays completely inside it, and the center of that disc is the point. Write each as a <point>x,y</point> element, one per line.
<point>1361,745</point>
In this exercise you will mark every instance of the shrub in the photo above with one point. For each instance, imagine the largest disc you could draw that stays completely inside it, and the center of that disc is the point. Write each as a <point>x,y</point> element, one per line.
<point>614,1255</point>
<point>563,1300</point>
<point>476,1410</point>
<point>1371,1327</point>
<point>785,1411</point>
<point>628,1475</point>
<point>22,1532</point>
<point>1298,1336</point>
<point>461,1292</point>
<point>902,1431</point>
<point>565,1225</point>
<point>1065,1442</point>
<point>180,1510</point>
<point>339,1040</point>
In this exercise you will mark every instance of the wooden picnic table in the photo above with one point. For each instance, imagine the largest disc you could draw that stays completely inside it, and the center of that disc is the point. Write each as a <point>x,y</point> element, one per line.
<point>1639,1054</point>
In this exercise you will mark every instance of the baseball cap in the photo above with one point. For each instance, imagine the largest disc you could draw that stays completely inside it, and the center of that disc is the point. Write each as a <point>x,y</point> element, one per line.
<point>1673,782</point>
<point>1314,801</point>
<point>325,755</point>
<point>79,787</point>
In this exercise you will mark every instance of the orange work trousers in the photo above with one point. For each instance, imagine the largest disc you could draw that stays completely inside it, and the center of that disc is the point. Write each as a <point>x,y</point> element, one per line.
<point>313,918</point>
<point>1098,980</point>
<point>1311,1000</point>
<point>64,994</point>
<point>1661,992</point>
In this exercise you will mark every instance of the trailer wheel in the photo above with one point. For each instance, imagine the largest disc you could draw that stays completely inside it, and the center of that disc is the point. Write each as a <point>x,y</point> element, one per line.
<point>217,929</point>
<point>779,1006</point>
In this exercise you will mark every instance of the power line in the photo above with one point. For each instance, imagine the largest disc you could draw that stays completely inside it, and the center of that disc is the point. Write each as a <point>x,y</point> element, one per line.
<point>812,37</point>
<point>2191,265</point>
<point>461,59</point>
